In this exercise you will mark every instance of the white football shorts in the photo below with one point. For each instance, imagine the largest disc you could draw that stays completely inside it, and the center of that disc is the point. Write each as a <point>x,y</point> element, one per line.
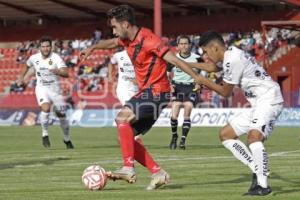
<point>261,118</point>
<point>47,95</point>
<point>124,94</point>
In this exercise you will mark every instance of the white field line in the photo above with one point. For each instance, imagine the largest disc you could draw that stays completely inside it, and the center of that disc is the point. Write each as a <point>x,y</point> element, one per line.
<point>160,159</point>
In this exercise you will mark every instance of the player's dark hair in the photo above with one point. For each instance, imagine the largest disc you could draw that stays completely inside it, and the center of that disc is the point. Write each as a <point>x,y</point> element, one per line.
<point>210,36</point>
<point>122,13</point>
<point>183,37</point>
<point>45,39</point>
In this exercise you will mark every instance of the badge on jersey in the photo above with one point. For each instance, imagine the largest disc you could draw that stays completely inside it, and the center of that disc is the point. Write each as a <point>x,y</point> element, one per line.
<point>50,62</point>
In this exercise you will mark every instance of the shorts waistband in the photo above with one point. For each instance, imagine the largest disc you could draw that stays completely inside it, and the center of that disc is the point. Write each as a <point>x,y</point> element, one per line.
<point>183,83</point>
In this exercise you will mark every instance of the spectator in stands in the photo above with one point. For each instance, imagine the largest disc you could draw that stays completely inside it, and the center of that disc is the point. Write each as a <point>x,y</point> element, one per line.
<point>96,36</point>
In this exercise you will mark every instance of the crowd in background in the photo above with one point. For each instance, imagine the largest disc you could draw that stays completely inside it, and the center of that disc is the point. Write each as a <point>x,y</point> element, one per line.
<point>91,76</point>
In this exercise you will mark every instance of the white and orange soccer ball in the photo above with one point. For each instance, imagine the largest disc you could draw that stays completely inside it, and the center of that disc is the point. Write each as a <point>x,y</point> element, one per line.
<point>94,177</point>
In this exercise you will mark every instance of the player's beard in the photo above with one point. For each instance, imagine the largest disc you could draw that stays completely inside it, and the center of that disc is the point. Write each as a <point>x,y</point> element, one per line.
<point>46,53</point>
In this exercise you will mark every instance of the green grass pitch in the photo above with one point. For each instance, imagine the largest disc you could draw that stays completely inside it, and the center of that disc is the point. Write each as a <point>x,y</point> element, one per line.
<point>205,170</point>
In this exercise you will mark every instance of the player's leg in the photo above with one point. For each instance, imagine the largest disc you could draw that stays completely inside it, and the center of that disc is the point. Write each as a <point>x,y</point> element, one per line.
<point>186,126</point>
<point>45,111</point>
<point>229,138</point>
<point>145,111</point>
<point>125,94</point>
<point>60,109</point>
<point>126,140</point>
<point>44,103</point>
<point>174,123</point>
<point>159,176</point>
<point>229,134</point>
<point>261,127</point>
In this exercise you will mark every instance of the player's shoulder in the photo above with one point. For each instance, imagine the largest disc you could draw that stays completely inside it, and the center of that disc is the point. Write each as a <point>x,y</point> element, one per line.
<point>148,35</point>
<point>35,56</point>
<point>55,55</point>
<point>232,54</point>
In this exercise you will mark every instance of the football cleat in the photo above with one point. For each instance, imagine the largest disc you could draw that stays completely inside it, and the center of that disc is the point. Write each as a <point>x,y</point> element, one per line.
<point>173,143</point>
<point>259,191</point>
<point>254,182</point>
<point>158,179</point>
<point>46,142</point>
<point>128,175</point>
<point>69,144</point>
<point>182,144</point>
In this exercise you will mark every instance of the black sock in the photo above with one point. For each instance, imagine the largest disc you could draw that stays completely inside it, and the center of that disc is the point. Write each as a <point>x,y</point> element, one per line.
<point>185,128</point>
<point>174,124</point>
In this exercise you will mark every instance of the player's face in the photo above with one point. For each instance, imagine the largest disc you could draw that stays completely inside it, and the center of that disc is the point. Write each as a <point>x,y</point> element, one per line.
<point>212,52</point>
<point>45,49</point>
<point>184,46</point>
<point>119,28</point>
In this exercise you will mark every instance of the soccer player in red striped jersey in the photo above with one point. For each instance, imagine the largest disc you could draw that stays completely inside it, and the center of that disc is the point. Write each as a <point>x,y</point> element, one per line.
<point>149,56</point>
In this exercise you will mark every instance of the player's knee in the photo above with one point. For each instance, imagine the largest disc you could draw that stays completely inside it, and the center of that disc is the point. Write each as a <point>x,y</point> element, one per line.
<point>227,133</point>
<point>45,108</point>
<point>254,136</point>
<point>124,116</point>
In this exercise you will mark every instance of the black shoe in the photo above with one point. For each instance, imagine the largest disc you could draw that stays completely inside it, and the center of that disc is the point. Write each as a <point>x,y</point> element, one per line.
<point>173,143</point>
<point>46,142</point>
<point>69,144</point>
<point>254,182</point>
<point>182,144</point>
<point>259,191</point>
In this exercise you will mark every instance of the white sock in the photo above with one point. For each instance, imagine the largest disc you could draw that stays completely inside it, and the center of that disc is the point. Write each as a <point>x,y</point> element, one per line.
<point>241,152</point>
<point>260,157</point>
<point>64,124</point>
<point>44,123</point>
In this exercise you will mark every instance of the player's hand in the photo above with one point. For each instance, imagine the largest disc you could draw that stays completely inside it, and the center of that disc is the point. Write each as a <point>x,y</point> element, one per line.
<point>110,79</point>
<point>84,54</point>
<point>172,89</point>
<point>20,82</point>
<point>196,88</point>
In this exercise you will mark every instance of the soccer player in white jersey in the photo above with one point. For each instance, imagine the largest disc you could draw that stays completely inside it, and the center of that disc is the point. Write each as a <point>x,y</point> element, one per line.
<point>49,67</point>
<point>184,91</point>
<point>266,102</point>
<point>127,86</point>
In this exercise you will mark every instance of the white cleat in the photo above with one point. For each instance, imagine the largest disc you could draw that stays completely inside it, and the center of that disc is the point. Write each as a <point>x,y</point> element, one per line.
<point>126,174</point>
<point>158,179</point>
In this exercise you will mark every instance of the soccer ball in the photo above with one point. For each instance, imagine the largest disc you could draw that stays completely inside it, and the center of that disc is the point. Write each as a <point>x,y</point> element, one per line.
<point>94,177</point>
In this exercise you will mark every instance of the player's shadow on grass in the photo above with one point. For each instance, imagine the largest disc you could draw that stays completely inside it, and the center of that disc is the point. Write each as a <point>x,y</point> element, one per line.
<point>188,147</point>
<point>50,161</point>
<point>242,179</point>
<point>280,190</point>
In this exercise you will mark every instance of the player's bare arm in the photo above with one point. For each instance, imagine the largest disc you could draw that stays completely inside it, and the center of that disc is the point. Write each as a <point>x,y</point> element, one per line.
<point>102,44</point>
<point>171,58</point>
<point>24,71</point>
<point>63,72</point>
<point>209,67</point>
<point>110,72</point>
<point>224,90</point>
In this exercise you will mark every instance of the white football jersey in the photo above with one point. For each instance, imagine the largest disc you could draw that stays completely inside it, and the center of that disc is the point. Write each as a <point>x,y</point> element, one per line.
<point>241,69</point>
<point>126,71</point>
<point>45,78</point>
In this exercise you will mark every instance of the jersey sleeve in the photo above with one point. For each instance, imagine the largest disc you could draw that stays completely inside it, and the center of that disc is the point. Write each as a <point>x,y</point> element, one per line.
<point>155,45</point>
<point>113,59</point>
<point>29,62</point>
<point>60,62</point>
<point>233,70</point>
